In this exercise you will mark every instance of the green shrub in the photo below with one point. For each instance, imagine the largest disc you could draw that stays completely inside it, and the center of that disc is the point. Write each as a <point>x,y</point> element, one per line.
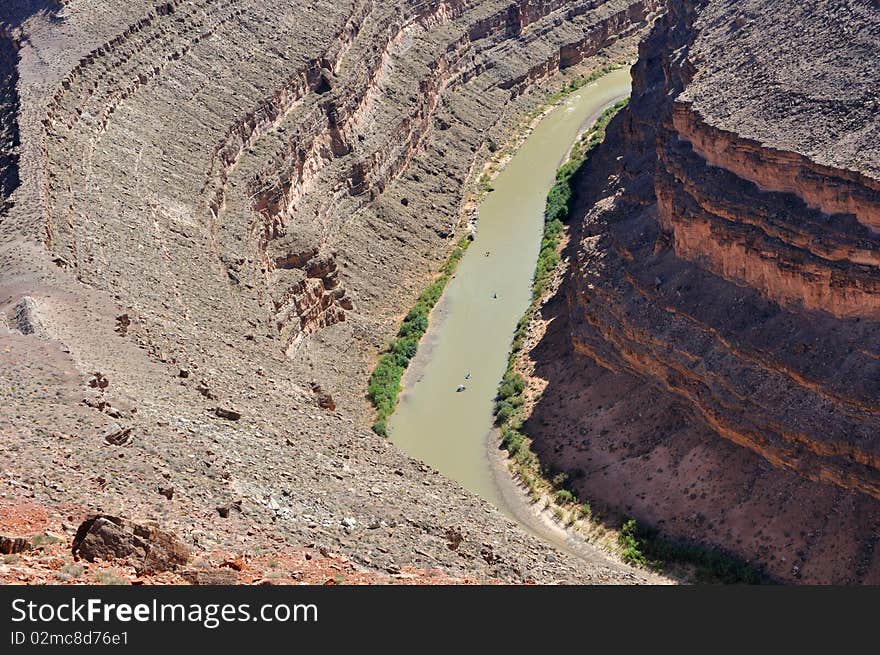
<point>558,478</point>
<point>511,440</point>
<point>564,497</point>
<point>628,540</point>
<point>515,381</point>
<point>504,412</point>
<point>380,427</point>
<point>404,349</point>
<point>415,326</point>
<point>644,547</point>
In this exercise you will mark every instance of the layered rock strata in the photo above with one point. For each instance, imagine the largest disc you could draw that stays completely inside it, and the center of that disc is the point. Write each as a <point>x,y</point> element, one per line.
<point>729,255</point>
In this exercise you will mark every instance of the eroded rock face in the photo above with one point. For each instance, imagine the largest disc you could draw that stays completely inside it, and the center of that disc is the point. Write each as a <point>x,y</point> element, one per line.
<point>146,547</point>
<point>732,263</point>
<point>805,235</point>
<point>9,138</point>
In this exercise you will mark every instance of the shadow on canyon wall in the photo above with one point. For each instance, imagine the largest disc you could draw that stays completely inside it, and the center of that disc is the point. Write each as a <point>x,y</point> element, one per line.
<point>690,401</point>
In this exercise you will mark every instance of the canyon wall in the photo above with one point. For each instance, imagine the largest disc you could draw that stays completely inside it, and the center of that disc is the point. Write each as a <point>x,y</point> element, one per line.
<point>9,141</point>
<point>729,259</point>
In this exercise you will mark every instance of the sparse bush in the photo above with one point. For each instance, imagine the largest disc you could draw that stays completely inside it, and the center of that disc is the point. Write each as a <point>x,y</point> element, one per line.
<point>108,578</point>
<point>69,572</point>
<point>504,412</point>
<point>559,479</point>
<point>565,497</point>
<point>380,427</point>
<point>511,441</point>
<point>512,384</point>
<point>44,540</point>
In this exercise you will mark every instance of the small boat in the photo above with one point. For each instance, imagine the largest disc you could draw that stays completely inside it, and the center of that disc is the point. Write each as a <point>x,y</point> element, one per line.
<point>461,388</point>
<point>467,377</point>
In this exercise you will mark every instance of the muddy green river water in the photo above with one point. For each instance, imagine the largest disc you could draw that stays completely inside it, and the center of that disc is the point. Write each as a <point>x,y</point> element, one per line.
<point>471,329</point>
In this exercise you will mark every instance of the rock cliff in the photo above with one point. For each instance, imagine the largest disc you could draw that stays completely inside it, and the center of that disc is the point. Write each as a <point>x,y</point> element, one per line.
<point>727,263</point>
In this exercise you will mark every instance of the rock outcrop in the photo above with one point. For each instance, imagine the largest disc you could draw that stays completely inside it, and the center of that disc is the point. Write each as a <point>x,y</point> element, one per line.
<point>729,259</point>
<point>146,547</point>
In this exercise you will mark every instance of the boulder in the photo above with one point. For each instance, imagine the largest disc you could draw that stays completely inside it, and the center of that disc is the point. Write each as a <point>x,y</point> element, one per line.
<point>227,413</point>
<point>13,545</point>
<point>145,546</point>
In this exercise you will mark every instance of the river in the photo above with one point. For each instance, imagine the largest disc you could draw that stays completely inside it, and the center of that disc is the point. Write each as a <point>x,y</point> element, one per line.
<point>471,328</point>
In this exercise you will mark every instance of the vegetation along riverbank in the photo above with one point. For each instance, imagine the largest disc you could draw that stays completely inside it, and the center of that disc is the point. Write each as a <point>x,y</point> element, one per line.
<point>635,544</point>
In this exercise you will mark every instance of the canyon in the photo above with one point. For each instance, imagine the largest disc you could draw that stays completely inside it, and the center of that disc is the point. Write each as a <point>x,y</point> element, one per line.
<point>214,214</point>
<point>725,276</point>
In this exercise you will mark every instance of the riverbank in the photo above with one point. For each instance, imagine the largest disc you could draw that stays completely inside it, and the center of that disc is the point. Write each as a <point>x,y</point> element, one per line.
<point>444,415</point>
<point>541,494</point>
<point>385,382</point>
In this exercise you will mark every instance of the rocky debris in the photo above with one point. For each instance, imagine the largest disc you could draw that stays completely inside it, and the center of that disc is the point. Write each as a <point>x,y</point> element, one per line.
<point>224,510</point>
<point>167,491</point>
<point>487,552</point>
<point>53,563</point>
<point>236,564</point>
<point>227,413</point>
<point>203,388</point>
<point>144,546</point>
<point>98,402</point>
<point>114,412</point>
<point>323,398</point>
<point>116,435</point>
<point>123,322</point>
<point>13,545</point>
<point>98,381</point>
<point>26,318</point>
<point>200,576</point>
<point>454,538</point>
